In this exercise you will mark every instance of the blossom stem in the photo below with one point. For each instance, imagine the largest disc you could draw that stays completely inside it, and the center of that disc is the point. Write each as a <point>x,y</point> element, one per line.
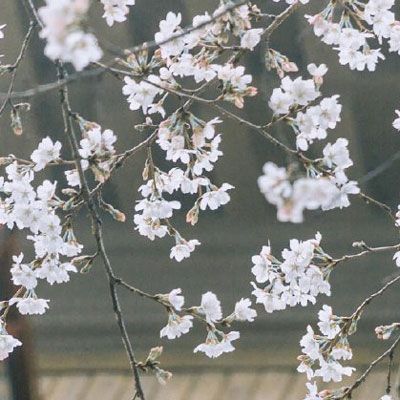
<point>14,67</point>
<point>97,232</point>
<point>348,392</point>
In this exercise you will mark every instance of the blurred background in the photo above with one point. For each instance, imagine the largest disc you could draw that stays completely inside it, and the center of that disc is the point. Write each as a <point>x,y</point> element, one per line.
<point>78,335</point>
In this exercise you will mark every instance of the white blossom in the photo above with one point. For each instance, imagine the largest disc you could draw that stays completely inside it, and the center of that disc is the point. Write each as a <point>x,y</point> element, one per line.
<point>177,326</point>
<point>213,348</point>
<point>30,305</point>
<point>7,345</point>
<point>214,199</point>
<point>210,306</point>
<point>65,39</point>
<point>45,153</point>
<point>183,249</point>
<point>116,10</point>
<point>243,312</point>
<point>176,299</point>
<point>251,38</point>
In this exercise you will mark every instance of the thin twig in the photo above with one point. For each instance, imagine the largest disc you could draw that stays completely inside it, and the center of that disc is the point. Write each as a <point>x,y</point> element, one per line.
<point>97,232</point>
<point>14,67</point>
<point>368,250</point>
<point>389,374</point>
<point>348,392</point>
<point>368,300</point>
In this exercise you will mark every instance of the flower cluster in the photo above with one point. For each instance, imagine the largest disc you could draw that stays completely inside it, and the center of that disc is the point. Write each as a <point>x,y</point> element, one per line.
<point>142,94</point>
<point>116,10</point>
<point>326,185</point>
<point>191,141</point>
<point>323,352</point>
<point>292,196</point>
<point>360,22</point>
<point>66,40</point>
<point>25,207</point>
<point>191,55</point>
<point>298,279</point>
<point>210,312</point>
<point>314,122</point>
<point>188,63</point>
<point>96,152</point>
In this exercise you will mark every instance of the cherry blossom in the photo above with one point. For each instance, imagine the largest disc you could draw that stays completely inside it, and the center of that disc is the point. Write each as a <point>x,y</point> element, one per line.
<point>177,326</point>
<point>213,347</point>
<point>251,38</point>
<point>211,307</point>
<point>64,40</point>
<point>116,10</point>
<point>196,62</point>
<point>30,305</point>
<point>243,312</point>
<point>176,299</point>
<point>1,30</point>
<point>294,281</point>
<point>183,249</point>
<point>46,152</point>
<point>7,344</point>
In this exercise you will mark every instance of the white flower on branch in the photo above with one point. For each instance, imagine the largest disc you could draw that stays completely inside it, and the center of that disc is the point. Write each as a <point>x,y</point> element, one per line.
<point>243,312</point>
<point>46,152</point>
<point>30,305</point>
<point>312,392</point>
<point>170,28</point>
<point>175,299</point>
<point>23,274</point>
<point>157,209</point>
<point>7,344</point>
<point>213,347</point>
<point>177,326</point>
<point>333,371</point>
<point>210,306</point>
<point>97,143</point>
<point>149,227</point>
<point>305,193</point>
<point>214,199</point>
<point>327,348</point>
<point>251,38</point>
<point>262,265</point>
<point>317,72</point>
<point>294,281</point>
<point>373,20</point>
<point>327,324</point>
<point>116,10</point>
<point>183,249</point>
<point>65,39</point>
<point>396,122</point>
<point>396,257</point>
<point>142,94</point>
<point>54,271</point>
<point>336,156</point>
<point>1,31</point>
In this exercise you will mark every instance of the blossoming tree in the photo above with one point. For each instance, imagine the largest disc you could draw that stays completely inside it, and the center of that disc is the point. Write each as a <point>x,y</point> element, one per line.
<point>188,60</point>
